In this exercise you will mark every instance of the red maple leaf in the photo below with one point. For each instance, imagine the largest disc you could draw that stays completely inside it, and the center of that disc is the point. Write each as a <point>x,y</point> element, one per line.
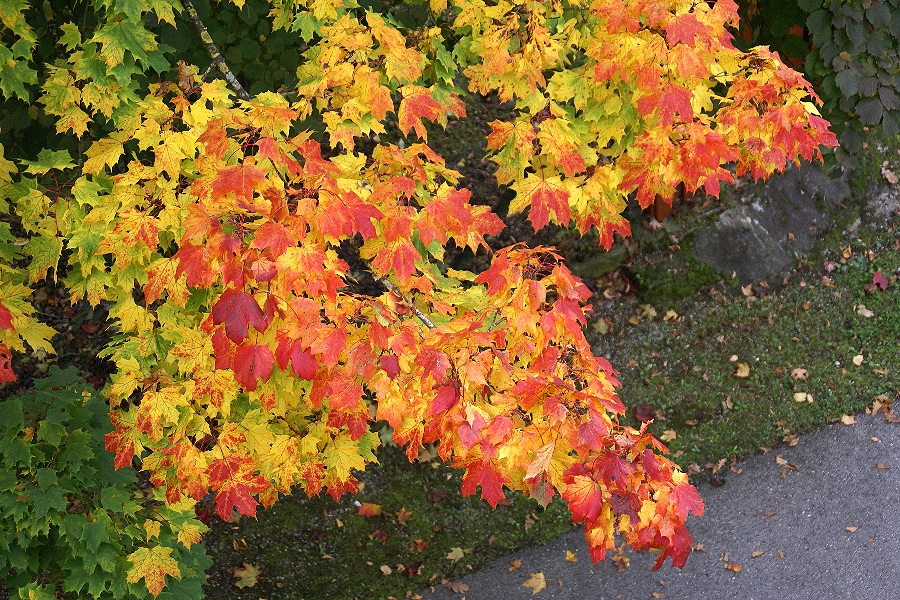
<point>877,279</point>
<point>302,361</point>
<point>399,255</point>
<point>417,104</point>
<point>233,477</point>
<point>491,480</point>
<point>6,372</point>
<point>5,317</point>
<point>251,362</point>
<point>684,29</point>
<point>237,310</point>
<point>343,392</point>
<point>275,236</point>
<point>240,179</point>
<point>582,494</point>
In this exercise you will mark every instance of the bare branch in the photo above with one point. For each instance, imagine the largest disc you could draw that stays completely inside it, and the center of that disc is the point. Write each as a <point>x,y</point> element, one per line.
<point>214,53</point>
<point>390,286</point>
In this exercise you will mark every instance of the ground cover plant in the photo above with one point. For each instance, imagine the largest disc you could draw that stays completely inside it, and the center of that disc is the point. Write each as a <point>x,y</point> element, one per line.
<point>219,229</point>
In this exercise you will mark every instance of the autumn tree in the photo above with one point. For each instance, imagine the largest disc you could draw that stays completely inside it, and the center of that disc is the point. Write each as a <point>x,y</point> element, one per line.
<point>214,223</point>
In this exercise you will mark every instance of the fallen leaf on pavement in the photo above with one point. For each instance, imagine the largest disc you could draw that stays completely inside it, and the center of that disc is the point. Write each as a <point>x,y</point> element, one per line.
<point>571,557</point>
<point>851,529</point>
<point>780,554</point>
<point>658,595</point>
<point>848,420</point>
<point>769,514</point>
<point>756,553</point>
<point>784,463</point>
<point>791,440</point>
<point>874,439</point>
<point>458,587</point>
<point>734,567</point>
<point>882,466</point>
<point>515,564</point>
<point>670,315</point>
<point>246,575</point>
<point>801,374</point>
<point>536,582</point>
<point>742,371</point>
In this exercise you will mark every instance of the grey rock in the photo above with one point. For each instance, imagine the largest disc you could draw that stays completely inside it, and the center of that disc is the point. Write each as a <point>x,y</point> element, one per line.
<point>882,206</point>
<point>779,217</point>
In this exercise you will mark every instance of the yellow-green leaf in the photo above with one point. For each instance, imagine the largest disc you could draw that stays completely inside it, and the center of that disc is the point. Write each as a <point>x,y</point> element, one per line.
<point>152,565</point>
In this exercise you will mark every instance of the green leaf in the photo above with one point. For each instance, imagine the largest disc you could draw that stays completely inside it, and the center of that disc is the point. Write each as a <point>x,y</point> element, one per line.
<point>870,111</point>
<point>878,14</point>
<point>51,499</point>
<point>71,36</point>
<point>45,252</point>
<point>810,5</point>
<point>15,73</point>
<point>888,98</point>
<point>117,37</point>
<point>848,82</point>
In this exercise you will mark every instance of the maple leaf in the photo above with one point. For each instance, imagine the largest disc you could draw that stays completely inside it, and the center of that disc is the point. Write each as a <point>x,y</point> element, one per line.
<point>152,565</point>
<point>239,179</point>
<point>6,318</point>
<point>238,310</point>
<point>369,510</point>
<point>417,104</point>
<point>6,372</point>
<point>234,482</point>
<point>535,581</point>
<point>246,576</point>
<point>251,363</point>
<point>543,195</point>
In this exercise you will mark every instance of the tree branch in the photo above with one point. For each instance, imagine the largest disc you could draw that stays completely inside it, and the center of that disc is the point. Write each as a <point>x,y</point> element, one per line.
<point>214,53</point>
<point>391,287</point>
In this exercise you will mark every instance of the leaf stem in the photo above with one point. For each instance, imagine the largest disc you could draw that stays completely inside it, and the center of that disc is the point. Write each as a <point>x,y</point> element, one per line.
<point>214,53</point>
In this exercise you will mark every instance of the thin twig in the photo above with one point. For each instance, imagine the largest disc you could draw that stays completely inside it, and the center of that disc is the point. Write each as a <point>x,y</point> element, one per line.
<point>390,286</point>
<point>214,52</point>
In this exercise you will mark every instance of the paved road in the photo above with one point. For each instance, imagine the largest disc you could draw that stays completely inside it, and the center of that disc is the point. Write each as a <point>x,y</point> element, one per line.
<point>810,549</point>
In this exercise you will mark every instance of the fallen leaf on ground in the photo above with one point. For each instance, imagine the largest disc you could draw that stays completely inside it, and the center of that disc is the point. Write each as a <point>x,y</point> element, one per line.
<point>747,290</point>
<point>863,311</point>
<point>791,440</point>
<point>658,595</point>
<point>756,553</point>
<point>803,397</point>
<point>888,174</point>
<point>643,412</point>
<point>571,556</point>
<point>458,587</point>
<point>536,582</point>
<point>880,280</point>
<point>780,554</point>
<point>769,514</point>
<point>800,374</point>
<point>668,435</point>
<point>403,516</point>
<point>670,315</point>
<point>742,371</point>
<point>455,554</point>
<point>239,544</point>
<point>882,466</point>
<point>784,463</point>
<point>851,529</point>
<point>385,569</point>
<point>246,575</point>
<point>734,358</point>
<point>874,439</point>
<point>515,564</point>
<point>647,310</point>
<point>858,359</point>
<point>417,545</point>
<point>369,510</point>
<point>733,567</point>
<point>848,420</point>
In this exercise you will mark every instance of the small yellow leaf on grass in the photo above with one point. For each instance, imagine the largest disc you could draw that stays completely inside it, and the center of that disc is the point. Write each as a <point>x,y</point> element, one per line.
<point>571,556</point>
<point>239,544</point>
<point>803,397</point>
<point>742,371</point>
<point>756,553</point>
<point>455,554</point>
<point>246,575</point>
<point>338,522</point>
<point>670,315</point>
<point>515,564</point>
<point>403,516</point>
<point>385,569</point>
<point>536,582</point>
<point>668,435</point>
<point>734,358</point>
<point>848,420</point>
<point>647,310</point>
<point>851,529</point>
<point>863,311</point>
<point>858,359</point>
<point>801,374</point>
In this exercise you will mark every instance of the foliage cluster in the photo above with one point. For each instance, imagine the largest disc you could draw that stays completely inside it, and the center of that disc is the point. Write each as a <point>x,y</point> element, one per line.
<point>218,230</point>
<point>69,521</point>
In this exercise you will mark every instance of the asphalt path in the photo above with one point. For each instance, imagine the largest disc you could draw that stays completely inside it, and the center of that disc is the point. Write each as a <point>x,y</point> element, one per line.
<point>828,530</point>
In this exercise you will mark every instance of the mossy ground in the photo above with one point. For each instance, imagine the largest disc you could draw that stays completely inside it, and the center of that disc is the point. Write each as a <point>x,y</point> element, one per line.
<point>680,368</point>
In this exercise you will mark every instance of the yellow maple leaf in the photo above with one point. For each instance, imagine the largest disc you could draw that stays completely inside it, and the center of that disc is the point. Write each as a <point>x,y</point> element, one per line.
<point>105,152</point>
<point>152,565</point>
<point>536,582</point>
<point>190,533</point>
